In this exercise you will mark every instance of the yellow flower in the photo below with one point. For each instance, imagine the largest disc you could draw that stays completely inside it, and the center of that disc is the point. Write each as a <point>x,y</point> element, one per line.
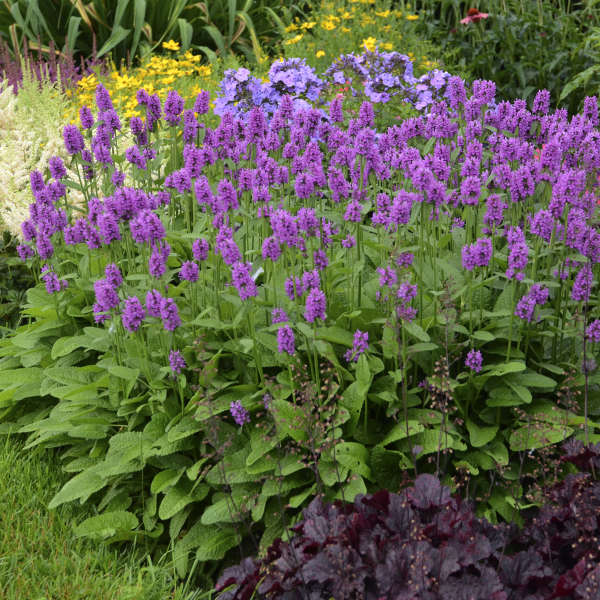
<point>293,40</point>
<point>369,43</point>
<point>308,25</point>
<point>412,17</point>
<point>384,14</point>
<point>320,53</point>
<point>386,46</point>
<point>291,28</point>
<point>345,29</point>
<point>328,25</point>
<point>171,45</point>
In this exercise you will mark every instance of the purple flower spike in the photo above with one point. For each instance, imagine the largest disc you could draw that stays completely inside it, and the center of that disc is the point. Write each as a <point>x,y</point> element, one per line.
<point>133,314</point>
<point>359,345</point>
<point>474,360</point>
<point>169,314</point>
<point>239,413</point>
<point>189,271</point>
<point>315,305</point>
<point>285,340</point>
<point>176,361</point>
<point>593,331</point>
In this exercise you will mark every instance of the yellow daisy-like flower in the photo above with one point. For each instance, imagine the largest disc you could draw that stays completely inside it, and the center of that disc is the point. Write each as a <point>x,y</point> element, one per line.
<point>320,53</point>
<point>293,40</point>
<point>412,17</point>
<point>369,43</point>
<point>345,29</point>
<point>384,14</point>
<point>171,45</point>
<point>386,46</point>
<point>291,28</point>
<point>308,25</point>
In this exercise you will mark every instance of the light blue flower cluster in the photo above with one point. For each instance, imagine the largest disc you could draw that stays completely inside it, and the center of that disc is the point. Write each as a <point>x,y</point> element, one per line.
<point>379,76</point>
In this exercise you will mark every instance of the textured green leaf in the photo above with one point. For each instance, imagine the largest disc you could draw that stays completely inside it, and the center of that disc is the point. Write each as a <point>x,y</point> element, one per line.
<point>399,431</point>
<point>354,456</point>
<point>480,436</point>
<point>107,525</point>
<point>530,437</point>
<point>165,479</point>
<point>81,486</point>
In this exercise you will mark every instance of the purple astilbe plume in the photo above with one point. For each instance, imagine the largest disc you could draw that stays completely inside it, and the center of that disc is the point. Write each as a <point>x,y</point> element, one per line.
<point>189,271</point>
<point>278,315</point>
<point>24,251</point>
<point>518,253</point>
<point>320,259</point>
<point>157,263</point>
<point>106,295</point>
<point>477,254</point>
<point>200,249</point>
<point>190,126</point>
<point>134,156</point>
<point>86,118</point>
<point>103,101</point>
<point>405,260</point>
<point>242,280</point>
<point>176,361</point>
<point>474,360</point>
<point>359,345</point>
<point>349,241</point>
<point>153,303</point>
<point>541,102</point>
<point>293,288</point>
<point>582,286</point>
<point>202,103</point>
<point>173,108</point>
<point>57,167</point>
<point>353,211</point>
<point>169,314</point>
<point>133,313</point>
<point>592,331</point>
<point>315,305</point>
<point>271,248</point>
<point>73,139</point>
<point>113,275</point>
<point>286,340</point>
<point>52,282</point>
<point>239,413</point>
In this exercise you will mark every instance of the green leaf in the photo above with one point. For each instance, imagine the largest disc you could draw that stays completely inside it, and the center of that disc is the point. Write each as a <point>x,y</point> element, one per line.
<point>538,435</point>
<point>483,336</point>
<point>107,525</point>
<point>363,374</point>
<point>521,391</point>
<point>480,436</point>
<point>354,456</point>
<point>502,369</point>
<point>117,35</point>
<point>165,479</point>
<point>534,380</point>
<point>352,400</point>
<point>289,419</point>
<point>335,335</point>
<point>416,331</point>
<point>222,511</point>
<point>212,541</point>
<point>399,431</point>
<point>81,486</point>
<point>179,497</point>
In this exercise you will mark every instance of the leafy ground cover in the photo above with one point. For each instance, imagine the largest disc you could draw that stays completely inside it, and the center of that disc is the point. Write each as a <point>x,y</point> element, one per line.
<point>41,558</point>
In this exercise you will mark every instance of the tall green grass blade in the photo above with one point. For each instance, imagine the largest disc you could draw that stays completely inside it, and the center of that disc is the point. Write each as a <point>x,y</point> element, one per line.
<point>186,31</point>
<point>72,33</point>
<point>116,37</point>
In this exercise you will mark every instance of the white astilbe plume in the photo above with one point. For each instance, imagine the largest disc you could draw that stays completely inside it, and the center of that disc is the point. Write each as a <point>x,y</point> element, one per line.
<point>31,125</point>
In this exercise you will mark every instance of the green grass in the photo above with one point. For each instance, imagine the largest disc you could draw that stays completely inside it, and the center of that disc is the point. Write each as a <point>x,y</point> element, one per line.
<point>40,557</point>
